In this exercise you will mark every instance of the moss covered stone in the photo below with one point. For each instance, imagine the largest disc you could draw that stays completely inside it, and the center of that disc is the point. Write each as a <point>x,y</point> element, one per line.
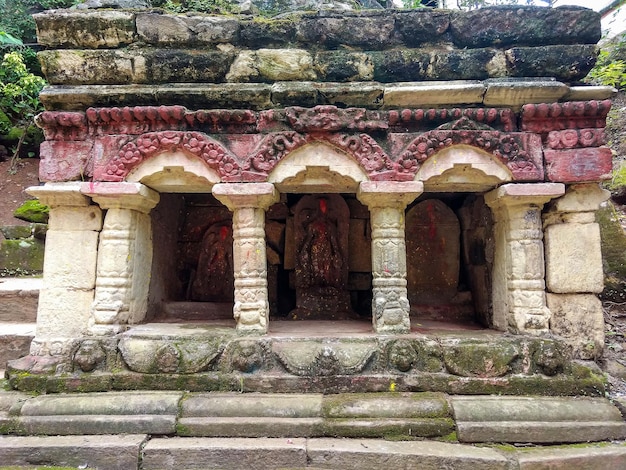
<point>613,241</point>
<point>22,255</point>
<point>32,211</point>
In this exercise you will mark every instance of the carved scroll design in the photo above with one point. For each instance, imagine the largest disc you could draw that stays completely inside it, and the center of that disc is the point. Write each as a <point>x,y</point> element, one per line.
<point>133,153</point>
<point>273,149</point>
<point>508,148</point>
<point>362,147</point>
<point>573,138</point>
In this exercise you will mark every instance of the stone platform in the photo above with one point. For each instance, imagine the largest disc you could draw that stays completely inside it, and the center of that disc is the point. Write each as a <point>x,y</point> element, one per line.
<point>164,430</point>
<point>313,357</point>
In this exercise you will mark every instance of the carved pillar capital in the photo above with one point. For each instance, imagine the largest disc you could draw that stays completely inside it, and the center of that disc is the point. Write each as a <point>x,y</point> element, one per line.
<point>60,194</point>
<point>132,196</point>
<point>239,195</point>
<point>397,194</point>
<point>523,194</point>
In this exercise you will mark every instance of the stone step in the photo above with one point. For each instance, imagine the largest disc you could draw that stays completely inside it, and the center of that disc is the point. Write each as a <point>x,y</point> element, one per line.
<point>15,340</point>
<point>401,416</point>
<point>19,297</point>
<point>134,451</point>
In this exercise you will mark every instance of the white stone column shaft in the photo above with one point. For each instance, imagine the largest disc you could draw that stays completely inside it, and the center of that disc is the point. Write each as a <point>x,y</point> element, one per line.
<point>124,255</point>
<point>574,272</point>
<point>518,294</point>
<point>248,202</point>
<point>387,202</point>
<point>69,272</point>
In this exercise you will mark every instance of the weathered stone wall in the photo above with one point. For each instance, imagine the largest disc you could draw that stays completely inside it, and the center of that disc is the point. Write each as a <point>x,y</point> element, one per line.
<point>121,47</point>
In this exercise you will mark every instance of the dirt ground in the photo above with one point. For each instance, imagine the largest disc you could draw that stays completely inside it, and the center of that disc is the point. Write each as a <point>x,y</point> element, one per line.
<point>12,194</point>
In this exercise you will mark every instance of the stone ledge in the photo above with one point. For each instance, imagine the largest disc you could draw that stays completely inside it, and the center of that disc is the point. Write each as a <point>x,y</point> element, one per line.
<point>259,96</point>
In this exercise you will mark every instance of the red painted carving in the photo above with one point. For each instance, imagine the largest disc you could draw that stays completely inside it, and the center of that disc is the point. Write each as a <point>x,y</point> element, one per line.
<point>63,125</point>
<point>222,120</point>
<point>560,116</point>
<point>362,147</point>
<point>579,165</point>
<point>166,114</point>
<point>273,149</point>
<point>329,118</point>
<point>366,151</point>
<point>573,138</point>
<point>148,145</point>
<point>503,118</point>
<point>510,148</point>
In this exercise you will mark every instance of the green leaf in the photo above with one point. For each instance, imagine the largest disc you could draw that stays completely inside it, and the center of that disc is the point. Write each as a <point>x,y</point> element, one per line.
<point>6,38</point>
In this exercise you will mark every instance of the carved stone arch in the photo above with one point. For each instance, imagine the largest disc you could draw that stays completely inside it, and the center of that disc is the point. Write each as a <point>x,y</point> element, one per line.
<point>175,172</point>
<point>361,150</point>
<point>190,152</point>
<point>521,153</point>
<point>317,167</point>
<point>462,168</point>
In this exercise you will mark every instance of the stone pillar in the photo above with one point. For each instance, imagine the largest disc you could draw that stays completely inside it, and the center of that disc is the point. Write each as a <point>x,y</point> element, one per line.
<point>518,295</point>
<point>574,273</point>
<point>124,255</point>
<point>69,272</point>
<point>387,201</point>
<point>248,202</point>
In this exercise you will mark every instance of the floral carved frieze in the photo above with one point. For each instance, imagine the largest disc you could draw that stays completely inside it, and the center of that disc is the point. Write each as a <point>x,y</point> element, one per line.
<point>573,138</point>
<point>332,119</point>
<point>133,153</point>
<point>521,153</point>
<point>560,116</point>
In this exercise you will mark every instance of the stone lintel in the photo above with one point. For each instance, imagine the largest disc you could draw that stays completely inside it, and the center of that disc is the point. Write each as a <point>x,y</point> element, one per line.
<point>581,198</point>
<point>260,96</point>
<point>134,196</point>
<point>524,193</point>
<point>518,92</point>
<point>240,195</point>
<point>433,93</point>
<point>587,93</point>
<point>389,193</point>
<point>60,194</point>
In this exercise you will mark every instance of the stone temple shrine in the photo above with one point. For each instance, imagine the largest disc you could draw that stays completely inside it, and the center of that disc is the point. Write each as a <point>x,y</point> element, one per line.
<point>322,202</point>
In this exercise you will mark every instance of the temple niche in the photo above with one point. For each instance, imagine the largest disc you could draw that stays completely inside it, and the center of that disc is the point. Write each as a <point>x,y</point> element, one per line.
<point>319,260</point>
<point>449,244</point>
<point>198,282</point>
